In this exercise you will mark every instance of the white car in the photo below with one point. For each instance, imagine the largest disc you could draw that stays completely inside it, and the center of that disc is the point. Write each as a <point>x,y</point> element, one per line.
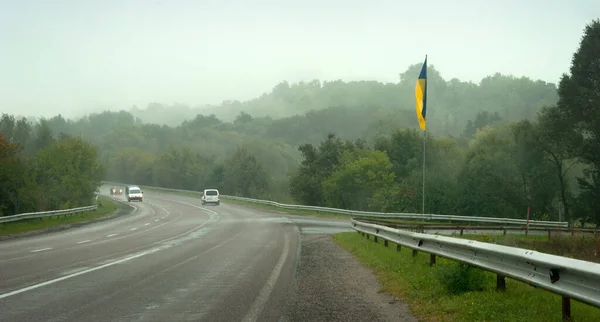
<point>210,196</point>
<point>134,193</point>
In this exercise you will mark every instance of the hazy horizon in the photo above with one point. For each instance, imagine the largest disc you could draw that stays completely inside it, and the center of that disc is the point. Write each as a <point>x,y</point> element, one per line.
<point>73,58</point>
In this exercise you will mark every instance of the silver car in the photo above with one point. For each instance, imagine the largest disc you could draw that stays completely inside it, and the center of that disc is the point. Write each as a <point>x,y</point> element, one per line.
<point>210,196</point>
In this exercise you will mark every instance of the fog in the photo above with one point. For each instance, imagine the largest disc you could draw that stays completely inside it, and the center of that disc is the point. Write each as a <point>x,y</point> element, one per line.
<point>74,57</point>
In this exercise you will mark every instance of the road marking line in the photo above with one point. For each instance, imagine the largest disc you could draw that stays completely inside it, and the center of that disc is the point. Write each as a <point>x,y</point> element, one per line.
<point>53,281</point>
<point>265,292</point>
<point>146,224</point>
<point>111,235</point>
<point>33,287</point>
<point>155,219</point>
<point>84,241</point>
<point>41,249</point>
<point>132,229</point>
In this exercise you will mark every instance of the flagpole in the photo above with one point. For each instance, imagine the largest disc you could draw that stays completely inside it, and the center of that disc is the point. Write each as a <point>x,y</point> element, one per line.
<point>424,140</point>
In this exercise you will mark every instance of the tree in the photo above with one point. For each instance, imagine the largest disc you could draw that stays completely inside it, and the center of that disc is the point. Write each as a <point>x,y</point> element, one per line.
<point>244,176</point>
<point>7,127</point>
<point>69,172</point>
<point>12,173</point>
<point>490,181</point>
<point>355,183</point>
<point>306,186</point>
<point>579,103</point>
<point>22,134</point>
<point>43,135</point>
<point>405,150</point>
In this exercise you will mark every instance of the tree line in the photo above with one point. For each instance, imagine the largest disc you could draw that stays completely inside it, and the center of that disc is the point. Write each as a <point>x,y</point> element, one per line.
<point>40,172</point>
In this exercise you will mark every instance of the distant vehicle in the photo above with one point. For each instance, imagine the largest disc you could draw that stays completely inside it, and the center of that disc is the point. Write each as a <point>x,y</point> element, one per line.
<point>134,193</point>
<point>115,191</point>
<point>210,196</point>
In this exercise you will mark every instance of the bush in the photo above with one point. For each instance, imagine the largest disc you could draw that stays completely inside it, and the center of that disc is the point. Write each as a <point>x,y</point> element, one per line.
<point>457,278</point>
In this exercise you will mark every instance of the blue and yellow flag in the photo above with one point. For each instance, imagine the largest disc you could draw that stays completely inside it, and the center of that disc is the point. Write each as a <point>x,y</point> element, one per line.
<point>421,96</point>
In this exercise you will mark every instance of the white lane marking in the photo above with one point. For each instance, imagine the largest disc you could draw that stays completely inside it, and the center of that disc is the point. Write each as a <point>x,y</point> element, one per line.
<point>146,224</point>
<point>132,229</point>
<point>84,241</point>
<point>111,235</point>
<point>265,292</point>
<point>155,219</point>
<point>41,249</point>
<point>33,287</point>
<point>163,217</point>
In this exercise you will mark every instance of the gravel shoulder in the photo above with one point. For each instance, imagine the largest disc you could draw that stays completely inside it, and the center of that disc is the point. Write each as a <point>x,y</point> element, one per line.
<point>332,285</point>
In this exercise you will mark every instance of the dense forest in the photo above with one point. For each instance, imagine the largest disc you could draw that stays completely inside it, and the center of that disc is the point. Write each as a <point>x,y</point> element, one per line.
<point>492,148</point>
<point>40,171</point>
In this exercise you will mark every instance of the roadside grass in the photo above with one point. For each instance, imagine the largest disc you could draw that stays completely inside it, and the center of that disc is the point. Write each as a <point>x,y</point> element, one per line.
<point>107,208</point>
<point>449,292</point>
<point>580,246</point>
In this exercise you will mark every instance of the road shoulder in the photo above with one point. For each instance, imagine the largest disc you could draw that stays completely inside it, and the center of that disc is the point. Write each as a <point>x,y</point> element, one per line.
<point>120,209</point>
<point>332,285</point>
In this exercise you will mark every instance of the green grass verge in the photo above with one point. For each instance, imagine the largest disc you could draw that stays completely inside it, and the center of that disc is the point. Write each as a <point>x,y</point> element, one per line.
<point>426,289</point>
<point>108,207</point>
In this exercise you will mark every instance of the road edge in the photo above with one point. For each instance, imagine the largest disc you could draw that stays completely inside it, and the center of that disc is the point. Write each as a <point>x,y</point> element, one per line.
<point>122,210</point>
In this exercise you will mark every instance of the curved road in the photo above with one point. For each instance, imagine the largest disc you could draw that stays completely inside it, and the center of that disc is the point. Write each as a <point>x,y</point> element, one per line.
<point>170,259</point>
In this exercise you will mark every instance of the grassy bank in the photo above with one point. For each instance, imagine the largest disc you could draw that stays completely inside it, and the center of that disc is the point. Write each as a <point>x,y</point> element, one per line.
<point>447,292</point>
<point>107,208</point>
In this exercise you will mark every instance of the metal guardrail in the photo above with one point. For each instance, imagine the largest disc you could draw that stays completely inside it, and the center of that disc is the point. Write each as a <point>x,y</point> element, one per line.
<point>467,229</point>
<point>368,214</point>
<point>42,214</point>
<point>570,278</point>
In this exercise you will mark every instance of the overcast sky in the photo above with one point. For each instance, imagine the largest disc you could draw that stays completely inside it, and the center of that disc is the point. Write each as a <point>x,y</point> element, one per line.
<point>76,56</point>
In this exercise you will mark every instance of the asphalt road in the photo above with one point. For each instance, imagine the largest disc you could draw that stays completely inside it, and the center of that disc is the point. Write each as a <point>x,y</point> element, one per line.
<point>170,259</point>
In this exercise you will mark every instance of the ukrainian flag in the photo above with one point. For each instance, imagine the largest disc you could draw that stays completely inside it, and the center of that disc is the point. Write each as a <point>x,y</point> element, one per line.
<point>421,96</point>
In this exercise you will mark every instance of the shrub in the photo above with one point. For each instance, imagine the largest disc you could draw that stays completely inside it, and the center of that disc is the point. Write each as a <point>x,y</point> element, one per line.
<point>457,278</point>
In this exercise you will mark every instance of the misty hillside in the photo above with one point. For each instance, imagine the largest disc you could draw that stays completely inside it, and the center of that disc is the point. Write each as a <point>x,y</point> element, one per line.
<point>272,127</point>
<point>451,102</point>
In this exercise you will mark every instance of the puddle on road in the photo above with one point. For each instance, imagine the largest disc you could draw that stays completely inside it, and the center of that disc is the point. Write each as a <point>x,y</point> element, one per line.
<point>277,220</point>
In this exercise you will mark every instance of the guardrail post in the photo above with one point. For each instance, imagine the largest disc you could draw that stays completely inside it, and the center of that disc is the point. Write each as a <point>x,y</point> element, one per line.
<point>504,233</point>
<point>549,234</point>
<point>431,259</point>
<point>566,308</point>
<point>385,243</point>
<point>461,232</point>
<point>500,283</point>
<point>415,252</point>
<point>374,238</point>
<point>398,247</point>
